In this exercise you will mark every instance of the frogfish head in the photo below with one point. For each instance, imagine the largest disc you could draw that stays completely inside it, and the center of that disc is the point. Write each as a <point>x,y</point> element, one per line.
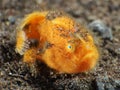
<point>73,49</point>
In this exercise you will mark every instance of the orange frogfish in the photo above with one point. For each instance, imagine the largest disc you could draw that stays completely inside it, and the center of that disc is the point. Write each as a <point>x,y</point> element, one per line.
<point>57,40</point>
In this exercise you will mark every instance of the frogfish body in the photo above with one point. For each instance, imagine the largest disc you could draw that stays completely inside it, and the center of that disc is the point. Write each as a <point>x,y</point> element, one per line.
<point>57,40</point>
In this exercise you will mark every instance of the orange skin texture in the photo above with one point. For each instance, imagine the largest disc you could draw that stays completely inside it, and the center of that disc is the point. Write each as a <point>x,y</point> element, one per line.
<point>63,44</point>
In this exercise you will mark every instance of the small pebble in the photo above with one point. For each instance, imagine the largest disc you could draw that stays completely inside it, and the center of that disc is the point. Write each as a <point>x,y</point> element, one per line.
<point>116,39</point>
<point>10,73</point>
<point>39,1</point>
<point>117,27</point>
<point>106,83</point>
<point>99,85</point>
<point>118,51</point>
<point>1,73</point>
<point>0,14</point>
<point>11,19</point>
<point>109,87</point>
<point>100,27</point>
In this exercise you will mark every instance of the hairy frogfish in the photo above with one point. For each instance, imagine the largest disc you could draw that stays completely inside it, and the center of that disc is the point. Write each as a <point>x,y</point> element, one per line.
<point>57,40</point>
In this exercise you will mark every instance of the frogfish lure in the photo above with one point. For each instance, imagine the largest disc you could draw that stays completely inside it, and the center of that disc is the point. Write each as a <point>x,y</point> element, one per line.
<point>57,40</point>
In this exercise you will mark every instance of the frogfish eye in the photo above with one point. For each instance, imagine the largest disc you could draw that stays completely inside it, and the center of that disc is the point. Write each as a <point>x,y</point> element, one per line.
<point>70,48</point>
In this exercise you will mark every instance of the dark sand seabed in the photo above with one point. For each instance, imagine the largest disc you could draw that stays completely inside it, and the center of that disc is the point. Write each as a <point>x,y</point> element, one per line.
<point>15,75</point>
